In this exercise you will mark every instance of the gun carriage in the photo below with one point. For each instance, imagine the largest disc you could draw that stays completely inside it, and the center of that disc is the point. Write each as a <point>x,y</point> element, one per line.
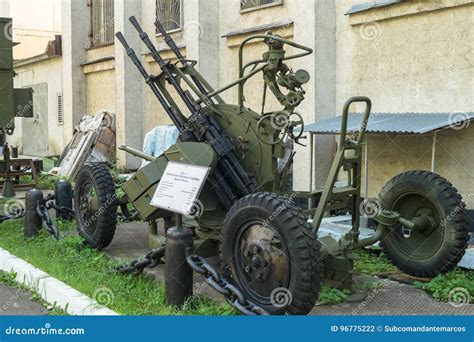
<point>266,240</point>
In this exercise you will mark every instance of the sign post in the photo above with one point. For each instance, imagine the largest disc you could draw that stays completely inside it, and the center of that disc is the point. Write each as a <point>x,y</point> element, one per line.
<point>177,192</point>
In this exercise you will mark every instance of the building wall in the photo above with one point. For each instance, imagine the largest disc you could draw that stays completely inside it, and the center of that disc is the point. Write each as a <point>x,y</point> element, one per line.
<point>411,57</point>
<point>46,76</point>
<point>35,23</point>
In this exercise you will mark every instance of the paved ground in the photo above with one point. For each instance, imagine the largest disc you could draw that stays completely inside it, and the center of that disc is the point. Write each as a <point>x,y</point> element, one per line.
<point>17,302</point>
<point>388,298</point>
<point>392,298</point>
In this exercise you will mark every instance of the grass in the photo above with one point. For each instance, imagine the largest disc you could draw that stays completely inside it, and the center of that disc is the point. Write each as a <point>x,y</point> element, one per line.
<point>439,287</point>
<point>9,278</point>
<point>330,296</point>
<point>442,285</point>
<point>371,264</point>
<point>92,273</point>
<point>45,181</point>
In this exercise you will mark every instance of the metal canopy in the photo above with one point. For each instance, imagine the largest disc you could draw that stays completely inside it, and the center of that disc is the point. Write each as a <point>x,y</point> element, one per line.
<point>411,123</point>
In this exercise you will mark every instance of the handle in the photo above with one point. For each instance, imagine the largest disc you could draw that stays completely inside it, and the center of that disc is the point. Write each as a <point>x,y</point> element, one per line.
<point>345,115</point>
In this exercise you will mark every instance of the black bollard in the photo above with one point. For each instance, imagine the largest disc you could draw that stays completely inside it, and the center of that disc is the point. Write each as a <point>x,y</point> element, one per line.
<point>63,198</point>
<point>33,221</point>
<point>178,274</point>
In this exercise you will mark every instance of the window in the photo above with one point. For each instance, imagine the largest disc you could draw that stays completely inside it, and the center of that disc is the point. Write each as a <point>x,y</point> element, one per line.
<point>249,5</point>
<point>102,22</point>
<point>168,12</point>
<point>60,109</point>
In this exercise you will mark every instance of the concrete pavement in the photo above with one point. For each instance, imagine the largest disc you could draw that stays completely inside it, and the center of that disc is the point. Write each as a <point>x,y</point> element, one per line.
<point>18,302</point>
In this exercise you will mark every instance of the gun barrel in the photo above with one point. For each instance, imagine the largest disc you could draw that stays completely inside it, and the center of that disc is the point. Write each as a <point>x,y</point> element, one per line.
<point>136,152</point>
<point>229,174</point>
<point>177,117</point>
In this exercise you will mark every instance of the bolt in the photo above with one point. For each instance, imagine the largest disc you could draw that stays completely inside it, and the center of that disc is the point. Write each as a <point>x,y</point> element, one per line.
<point>256,249</point>
<point>248,269</point>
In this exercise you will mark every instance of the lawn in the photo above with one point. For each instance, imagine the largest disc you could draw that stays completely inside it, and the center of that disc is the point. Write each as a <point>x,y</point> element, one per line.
<point>92,273</point>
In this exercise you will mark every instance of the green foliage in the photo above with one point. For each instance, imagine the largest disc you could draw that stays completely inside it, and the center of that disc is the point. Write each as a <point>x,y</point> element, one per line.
<point>90,271</point>
<point>332,296</point>
<point>441,285</point>
<point>371,264</point>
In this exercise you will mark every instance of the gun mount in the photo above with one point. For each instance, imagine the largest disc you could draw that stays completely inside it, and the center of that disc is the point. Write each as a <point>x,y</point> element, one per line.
<point>265,238</point>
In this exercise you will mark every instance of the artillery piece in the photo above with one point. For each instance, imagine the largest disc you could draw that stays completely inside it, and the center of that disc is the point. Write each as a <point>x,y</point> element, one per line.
<point>267,242</point>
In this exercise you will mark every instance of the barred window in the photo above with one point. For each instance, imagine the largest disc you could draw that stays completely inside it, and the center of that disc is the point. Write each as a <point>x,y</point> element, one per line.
<point>168,12</point>
<point>102,22</point>
<point>248,5</point>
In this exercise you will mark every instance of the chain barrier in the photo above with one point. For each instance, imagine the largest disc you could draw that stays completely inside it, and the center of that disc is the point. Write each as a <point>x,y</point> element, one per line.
<point>152,259</point>
<point>231,293</point>
<point>48,224</point>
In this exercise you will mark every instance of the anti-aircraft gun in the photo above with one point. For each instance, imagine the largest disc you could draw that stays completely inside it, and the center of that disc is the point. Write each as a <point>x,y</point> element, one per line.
<point>268,246</point>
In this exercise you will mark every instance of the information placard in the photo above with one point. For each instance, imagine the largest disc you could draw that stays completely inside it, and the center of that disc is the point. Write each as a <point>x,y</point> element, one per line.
<point>179,187</point>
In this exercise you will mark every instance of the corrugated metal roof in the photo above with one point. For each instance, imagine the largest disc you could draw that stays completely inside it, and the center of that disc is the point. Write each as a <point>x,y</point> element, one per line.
<point>370,5</point>
<point>418,123</point>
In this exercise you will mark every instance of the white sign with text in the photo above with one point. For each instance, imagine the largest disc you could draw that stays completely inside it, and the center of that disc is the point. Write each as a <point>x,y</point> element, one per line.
<point>179,187</point>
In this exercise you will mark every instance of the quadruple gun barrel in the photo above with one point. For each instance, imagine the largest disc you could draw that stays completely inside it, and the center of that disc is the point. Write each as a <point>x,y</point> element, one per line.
<point>229,179</point>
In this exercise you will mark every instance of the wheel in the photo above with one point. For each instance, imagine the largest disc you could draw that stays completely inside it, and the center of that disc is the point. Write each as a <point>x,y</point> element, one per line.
<point>270,253</point>
<point>95,205</point>
<point>440,245</point>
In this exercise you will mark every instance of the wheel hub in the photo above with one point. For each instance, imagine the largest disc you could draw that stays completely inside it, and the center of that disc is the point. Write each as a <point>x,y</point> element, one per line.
<point>257,260</point>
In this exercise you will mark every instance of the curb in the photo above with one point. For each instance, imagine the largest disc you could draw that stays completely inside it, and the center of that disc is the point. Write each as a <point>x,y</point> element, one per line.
<point>51,289</point>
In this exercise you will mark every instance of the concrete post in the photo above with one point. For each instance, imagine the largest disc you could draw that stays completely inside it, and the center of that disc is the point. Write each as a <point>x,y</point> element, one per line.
<point>320,99</point>
<point>201,36</point>
<point>129,83</point>
<point>75,28</point>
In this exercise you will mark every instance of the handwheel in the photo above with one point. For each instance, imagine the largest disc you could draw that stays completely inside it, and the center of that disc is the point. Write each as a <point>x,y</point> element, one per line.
<point>271,254</point>
<point>440,245</point>
<point>95,205</point>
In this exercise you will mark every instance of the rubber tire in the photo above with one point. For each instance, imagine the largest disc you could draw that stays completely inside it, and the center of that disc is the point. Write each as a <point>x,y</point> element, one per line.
<point>456,236</point>
<point>103,182</point>
<point>292,225</point>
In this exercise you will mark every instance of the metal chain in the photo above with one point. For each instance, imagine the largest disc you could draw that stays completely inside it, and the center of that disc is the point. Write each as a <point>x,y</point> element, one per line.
<point>48,224</point>
<point>152,259</point>
<point>232,294</point>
